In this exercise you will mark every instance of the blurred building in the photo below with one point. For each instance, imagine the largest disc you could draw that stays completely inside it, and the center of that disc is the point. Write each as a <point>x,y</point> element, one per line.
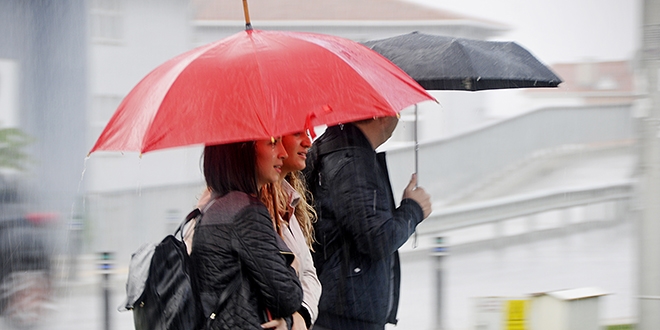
<point>589,83</point>
<point>360,20</point>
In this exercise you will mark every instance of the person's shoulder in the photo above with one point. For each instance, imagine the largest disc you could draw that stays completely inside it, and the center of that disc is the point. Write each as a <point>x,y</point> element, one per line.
<point>225,209</point>
<point>349,154</point>
<point>340,137</point>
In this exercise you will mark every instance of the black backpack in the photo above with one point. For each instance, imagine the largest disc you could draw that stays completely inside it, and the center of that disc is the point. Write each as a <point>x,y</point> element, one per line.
<point>162,295</point>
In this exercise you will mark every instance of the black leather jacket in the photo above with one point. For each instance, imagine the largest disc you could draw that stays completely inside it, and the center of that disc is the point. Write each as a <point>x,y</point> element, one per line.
<point>236,238</point>
<point>359,230</point>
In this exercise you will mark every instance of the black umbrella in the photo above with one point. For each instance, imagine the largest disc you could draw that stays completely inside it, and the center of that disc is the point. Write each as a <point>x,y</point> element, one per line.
<point>448,63</point>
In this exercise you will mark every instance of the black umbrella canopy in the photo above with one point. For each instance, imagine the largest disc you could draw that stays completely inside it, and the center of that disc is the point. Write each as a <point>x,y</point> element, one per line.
<point>448,63</point>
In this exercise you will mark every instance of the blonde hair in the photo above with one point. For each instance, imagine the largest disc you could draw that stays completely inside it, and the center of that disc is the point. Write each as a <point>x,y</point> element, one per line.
<point>270,196</point>
<point>277,200</point>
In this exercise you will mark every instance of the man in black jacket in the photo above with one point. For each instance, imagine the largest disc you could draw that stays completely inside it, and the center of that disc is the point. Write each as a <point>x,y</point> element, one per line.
<point>359,228</point>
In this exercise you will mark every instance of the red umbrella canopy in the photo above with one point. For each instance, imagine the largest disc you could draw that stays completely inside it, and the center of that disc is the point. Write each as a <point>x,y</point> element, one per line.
<point>256,85</point>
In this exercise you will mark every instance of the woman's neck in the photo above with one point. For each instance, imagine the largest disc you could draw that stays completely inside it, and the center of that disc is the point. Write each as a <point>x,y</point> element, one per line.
<point>283,175</point>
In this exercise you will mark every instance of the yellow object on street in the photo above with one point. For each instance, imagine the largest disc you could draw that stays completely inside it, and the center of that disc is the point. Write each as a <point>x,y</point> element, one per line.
<point>516,314</point>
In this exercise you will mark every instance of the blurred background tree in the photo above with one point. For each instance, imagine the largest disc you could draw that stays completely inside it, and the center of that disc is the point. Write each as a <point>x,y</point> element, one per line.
<point>12,149</point>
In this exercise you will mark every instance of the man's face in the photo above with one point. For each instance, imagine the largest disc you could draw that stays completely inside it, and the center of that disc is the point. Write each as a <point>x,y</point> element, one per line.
<point>389,124</point>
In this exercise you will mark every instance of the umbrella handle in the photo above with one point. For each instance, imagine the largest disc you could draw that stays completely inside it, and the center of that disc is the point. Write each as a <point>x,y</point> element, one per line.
<point>248,25</point>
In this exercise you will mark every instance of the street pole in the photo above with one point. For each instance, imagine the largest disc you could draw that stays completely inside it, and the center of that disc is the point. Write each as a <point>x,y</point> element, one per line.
<point>649,184</point>
<point>439,252</point>
<point>106,301</point>
<point>106,264</point>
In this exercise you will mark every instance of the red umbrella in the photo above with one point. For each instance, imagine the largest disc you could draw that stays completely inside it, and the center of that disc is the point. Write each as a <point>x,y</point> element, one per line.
<point>255,85</point>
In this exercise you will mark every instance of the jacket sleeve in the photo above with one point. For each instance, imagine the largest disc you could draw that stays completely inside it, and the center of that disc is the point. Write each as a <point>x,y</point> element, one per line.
<point>363,208</point>
<point>311,289</point>
<point>265,261</point>
<point>310,282</point>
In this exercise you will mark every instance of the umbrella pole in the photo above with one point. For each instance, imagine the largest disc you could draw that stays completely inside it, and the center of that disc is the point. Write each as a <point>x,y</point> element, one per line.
<point>248,25</point>
<point>414,243</point>
<point>416,145</point>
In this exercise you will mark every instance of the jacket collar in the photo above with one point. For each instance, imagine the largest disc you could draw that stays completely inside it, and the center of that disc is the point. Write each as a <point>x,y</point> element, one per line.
<point>294,196</point>
<point>342,136</point>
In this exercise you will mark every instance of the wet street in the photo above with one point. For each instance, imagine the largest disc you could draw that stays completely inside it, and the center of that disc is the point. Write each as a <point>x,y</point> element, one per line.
<point>79,306</point>
<point>84,311</point>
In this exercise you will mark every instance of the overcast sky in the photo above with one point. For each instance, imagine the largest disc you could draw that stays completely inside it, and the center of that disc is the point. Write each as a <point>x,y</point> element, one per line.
<point>560,31</point>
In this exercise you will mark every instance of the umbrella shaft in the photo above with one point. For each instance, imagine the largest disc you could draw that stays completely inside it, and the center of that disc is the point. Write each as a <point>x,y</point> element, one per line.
<point>416,146</point>
<point>248,25</point>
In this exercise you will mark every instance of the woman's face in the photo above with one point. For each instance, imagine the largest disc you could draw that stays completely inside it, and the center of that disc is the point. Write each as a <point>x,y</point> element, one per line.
<point>270,157</point>
<point>296,146</point>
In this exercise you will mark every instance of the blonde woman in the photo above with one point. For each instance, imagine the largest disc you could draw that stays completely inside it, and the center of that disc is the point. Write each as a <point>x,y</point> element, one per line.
<point>294,224</point>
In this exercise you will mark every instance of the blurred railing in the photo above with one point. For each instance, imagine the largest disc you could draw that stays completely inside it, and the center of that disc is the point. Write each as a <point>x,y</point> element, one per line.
<point>491,211</point>
<point>453,166</point>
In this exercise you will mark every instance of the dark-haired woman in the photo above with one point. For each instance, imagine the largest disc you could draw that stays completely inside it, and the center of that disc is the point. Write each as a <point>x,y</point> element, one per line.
<point>235,248</point>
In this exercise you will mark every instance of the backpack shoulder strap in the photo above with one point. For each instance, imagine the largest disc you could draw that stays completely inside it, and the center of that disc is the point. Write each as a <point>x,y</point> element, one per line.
<point>230,290</point>
<point>187,231</point>
<point>192,215</point>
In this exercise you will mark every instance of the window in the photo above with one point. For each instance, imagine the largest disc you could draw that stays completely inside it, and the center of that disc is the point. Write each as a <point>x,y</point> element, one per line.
<point>107,21</point>
<point>103,107</point>
<point>8,93</point>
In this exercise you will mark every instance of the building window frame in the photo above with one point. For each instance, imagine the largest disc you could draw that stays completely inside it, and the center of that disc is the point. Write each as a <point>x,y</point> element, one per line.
<point>107,21</point>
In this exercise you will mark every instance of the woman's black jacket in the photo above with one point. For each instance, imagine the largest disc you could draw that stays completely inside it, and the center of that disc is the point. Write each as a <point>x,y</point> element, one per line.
<point>236,238</point>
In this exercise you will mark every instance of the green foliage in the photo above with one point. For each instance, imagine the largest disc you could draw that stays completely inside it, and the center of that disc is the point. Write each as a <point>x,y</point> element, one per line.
<point>12,144</point>
<point>621,327</point>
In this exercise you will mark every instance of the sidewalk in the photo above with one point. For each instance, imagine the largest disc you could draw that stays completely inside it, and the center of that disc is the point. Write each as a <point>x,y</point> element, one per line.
<point>78,304</point>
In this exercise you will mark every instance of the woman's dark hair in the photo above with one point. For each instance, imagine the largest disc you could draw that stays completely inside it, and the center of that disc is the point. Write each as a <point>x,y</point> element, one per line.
<point>229,167</point>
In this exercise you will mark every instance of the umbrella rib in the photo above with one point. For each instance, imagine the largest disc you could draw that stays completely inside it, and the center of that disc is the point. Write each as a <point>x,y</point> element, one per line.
<point>262,87</point>
<point>472,85</point>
